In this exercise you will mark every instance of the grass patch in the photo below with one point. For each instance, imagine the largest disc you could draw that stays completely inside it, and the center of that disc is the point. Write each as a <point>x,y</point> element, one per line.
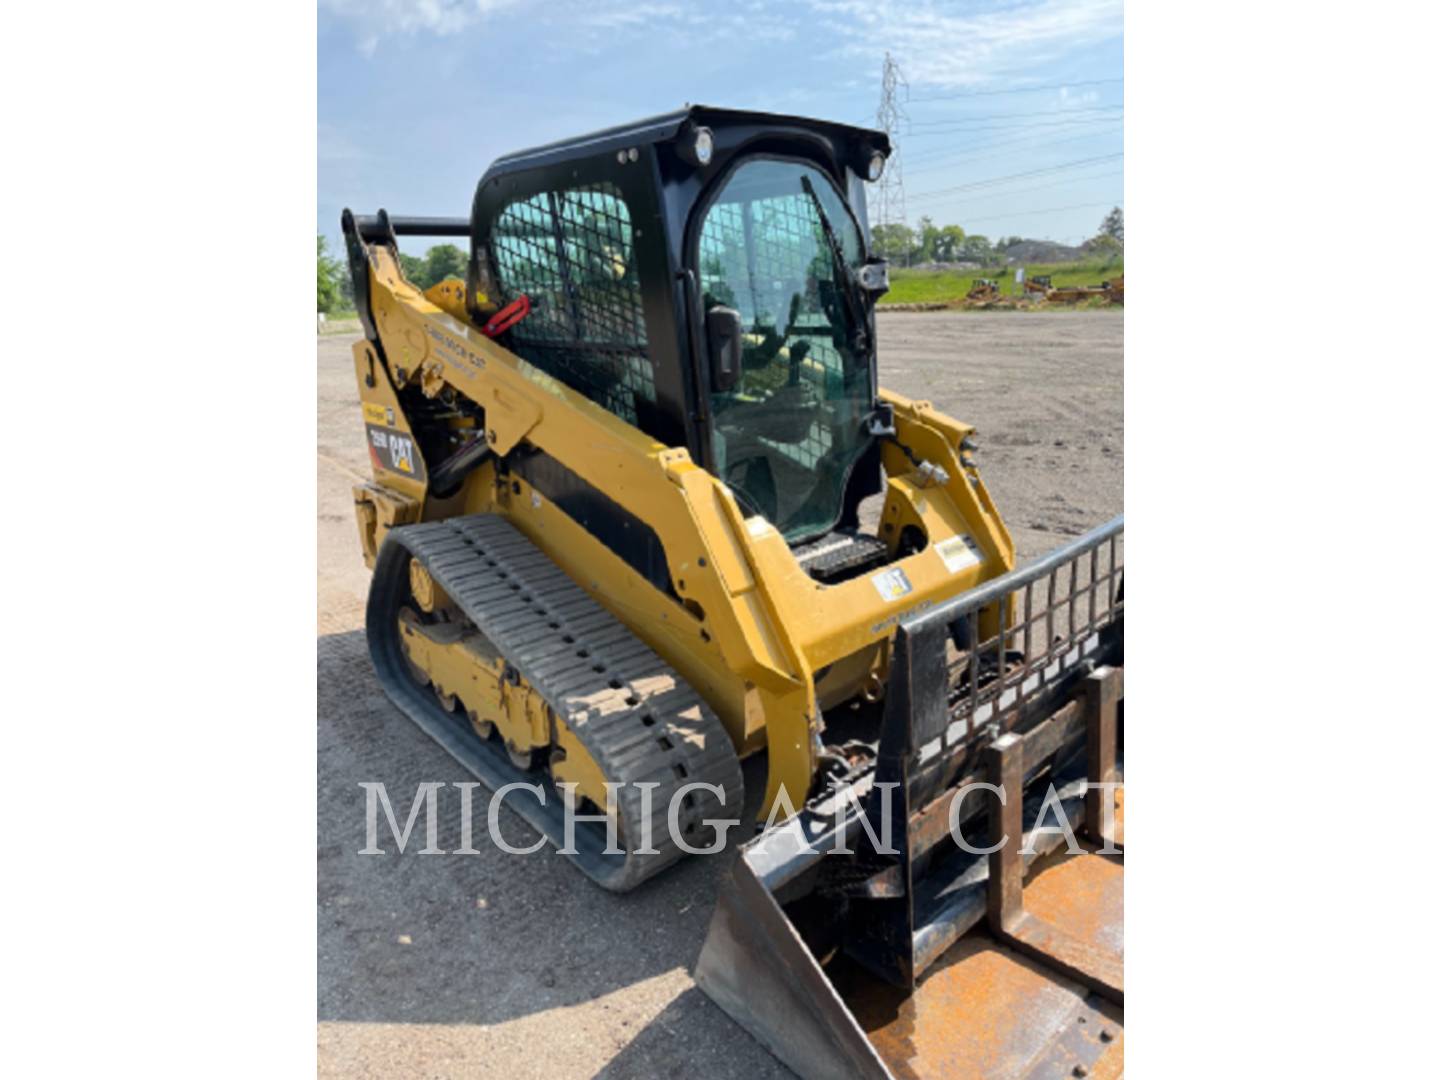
<point>339,322</point>
<point>948,286</point>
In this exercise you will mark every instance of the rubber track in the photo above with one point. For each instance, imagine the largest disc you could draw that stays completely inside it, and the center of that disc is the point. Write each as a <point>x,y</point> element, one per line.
<point>636,716</point>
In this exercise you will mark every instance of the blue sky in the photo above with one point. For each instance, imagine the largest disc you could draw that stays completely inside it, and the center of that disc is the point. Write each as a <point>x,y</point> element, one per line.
<point>1014,108</point>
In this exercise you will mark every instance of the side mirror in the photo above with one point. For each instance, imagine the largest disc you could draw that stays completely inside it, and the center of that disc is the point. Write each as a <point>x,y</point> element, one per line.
<point>724,334</point>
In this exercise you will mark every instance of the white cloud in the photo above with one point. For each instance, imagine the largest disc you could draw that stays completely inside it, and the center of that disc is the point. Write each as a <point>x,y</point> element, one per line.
<point>940,46</point>
<point>625,16</point>
<point>1071,99</point>
<point>374,20</point>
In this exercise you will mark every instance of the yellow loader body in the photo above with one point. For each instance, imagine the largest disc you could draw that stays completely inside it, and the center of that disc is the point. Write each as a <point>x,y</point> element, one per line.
<point>641,511</point>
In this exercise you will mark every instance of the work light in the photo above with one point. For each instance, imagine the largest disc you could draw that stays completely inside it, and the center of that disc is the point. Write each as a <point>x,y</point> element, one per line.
<point>700,147</point>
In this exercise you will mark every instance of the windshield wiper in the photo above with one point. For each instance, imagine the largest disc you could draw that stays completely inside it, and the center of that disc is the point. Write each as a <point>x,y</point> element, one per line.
<point>849,287</point>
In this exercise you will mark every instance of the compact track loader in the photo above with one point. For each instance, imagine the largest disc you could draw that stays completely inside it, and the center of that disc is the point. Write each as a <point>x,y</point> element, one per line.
<point>983,289</point>
<point>640,510</point>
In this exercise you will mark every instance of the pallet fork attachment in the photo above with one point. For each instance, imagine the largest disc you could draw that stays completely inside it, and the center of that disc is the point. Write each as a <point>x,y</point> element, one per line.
<point>913,956</point>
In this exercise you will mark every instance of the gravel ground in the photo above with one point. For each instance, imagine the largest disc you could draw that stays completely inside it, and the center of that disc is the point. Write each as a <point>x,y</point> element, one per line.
<point>490,965</point>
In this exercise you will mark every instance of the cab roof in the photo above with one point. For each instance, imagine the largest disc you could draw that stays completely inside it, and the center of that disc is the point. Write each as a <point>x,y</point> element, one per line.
<point>668,126</point>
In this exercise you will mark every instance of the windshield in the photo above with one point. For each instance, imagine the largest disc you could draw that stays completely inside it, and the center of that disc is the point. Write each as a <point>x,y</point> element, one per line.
<point>787,435</point>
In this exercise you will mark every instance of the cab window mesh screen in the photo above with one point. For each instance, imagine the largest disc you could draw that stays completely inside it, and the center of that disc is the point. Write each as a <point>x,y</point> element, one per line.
<point>573,253</point>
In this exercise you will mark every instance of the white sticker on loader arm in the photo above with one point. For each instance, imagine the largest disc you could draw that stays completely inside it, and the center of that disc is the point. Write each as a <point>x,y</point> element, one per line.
<point>891,584</point>
<point>958,552</point>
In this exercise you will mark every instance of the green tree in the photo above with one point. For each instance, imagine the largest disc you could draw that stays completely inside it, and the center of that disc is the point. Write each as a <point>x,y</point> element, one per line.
<point>1114,226</point>
<point>440,262</point>
<point>1104,245</point>
<point>443,261</point>
<point>347,290</point>
<point>949,243</point>
<point>414,270</point>
<point>976,248</point>
<point>895,242</point>
<point>928,235</point>
<point>327,281</point>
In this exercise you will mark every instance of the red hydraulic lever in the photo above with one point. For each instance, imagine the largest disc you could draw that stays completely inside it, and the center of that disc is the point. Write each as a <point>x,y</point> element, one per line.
<point>507,316</point>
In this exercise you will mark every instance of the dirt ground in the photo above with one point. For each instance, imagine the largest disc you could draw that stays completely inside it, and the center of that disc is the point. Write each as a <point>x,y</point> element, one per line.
<point>494,965</point>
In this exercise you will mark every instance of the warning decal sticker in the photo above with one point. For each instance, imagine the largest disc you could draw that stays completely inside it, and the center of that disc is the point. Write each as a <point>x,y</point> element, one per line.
<point>892,584</point>
<point>958,552</point>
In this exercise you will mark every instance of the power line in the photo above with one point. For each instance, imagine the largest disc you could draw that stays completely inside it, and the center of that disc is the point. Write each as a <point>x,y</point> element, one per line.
<point>1047,210</point>
<point>985,117</point>
<point>988,147</point>
<point>1008,194</point>
<point>990,181</point>
<point>1021,131</point>
<point>1015,90</point>
<point>866,119</point>
<point>1005,125</point>
<point>945,157</point>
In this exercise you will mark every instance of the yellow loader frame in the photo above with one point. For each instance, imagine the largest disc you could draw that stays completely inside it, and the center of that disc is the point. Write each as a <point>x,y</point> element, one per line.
<point>767,646</point>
